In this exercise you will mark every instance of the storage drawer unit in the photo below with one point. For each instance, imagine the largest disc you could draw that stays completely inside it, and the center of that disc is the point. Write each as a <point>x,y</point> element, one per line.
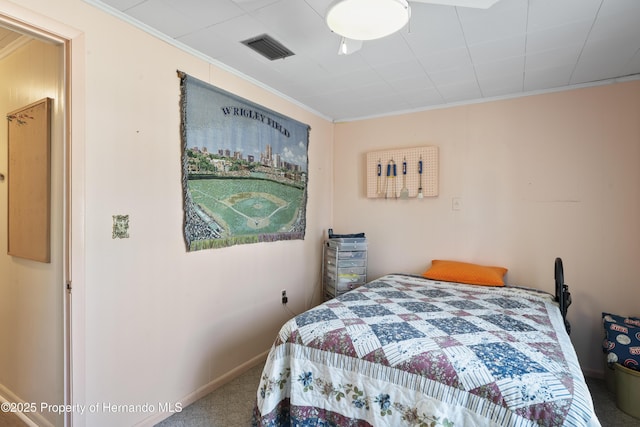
<point>344,265</point>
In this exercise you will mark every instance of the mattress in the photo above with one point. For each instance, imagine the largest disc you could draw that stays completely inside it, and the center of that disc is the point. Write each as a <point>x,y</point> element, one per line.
<point>403,351</point>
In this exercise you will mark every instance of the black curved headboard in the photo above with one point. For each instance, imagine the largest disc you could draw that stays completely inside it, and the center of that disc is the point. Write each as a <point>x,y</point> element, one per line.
<point>563,296</point>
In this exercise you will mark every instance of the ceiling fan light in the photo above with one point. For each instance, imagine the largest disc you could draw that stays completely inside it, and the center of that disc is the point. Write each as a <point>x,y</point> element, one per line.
<point>348,46</point>
<point>367,19</point>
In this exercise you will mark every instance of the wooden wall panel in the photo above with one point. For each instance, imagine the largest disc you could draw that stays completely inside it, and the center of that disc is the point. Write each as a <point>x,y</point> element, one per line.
<point>29,179</point>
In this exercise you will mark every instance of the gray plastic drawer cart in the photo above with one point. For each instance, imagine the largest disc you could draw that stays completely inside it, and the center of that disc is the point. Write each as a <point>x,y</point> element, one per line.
<point>344,265</point>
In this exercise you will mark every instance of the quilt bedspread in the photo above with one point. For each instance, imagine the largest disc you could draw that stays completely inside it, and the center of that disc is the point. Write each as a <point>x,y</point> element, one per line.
<point>404,350</point>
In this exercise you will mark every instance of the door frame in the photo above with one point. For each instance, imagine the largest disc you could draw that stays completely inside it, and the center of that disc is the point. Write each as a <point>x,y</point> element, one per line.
<point>27,21</point>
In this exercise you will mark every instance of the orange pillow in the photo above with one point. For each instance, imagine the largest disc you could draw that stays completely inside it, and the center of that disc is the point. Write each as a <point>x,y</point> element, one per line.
<point>463,272</point>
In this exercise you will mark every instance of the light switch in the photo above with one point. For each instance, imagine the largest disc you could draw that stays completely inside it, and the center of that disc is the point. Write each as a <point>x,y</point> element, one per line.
<point>120,227</point>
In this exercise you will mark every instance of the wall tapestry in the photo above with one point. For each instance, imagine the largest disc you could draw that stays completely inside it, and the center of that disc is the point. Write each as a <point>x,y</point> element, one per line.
<point>244,169</point>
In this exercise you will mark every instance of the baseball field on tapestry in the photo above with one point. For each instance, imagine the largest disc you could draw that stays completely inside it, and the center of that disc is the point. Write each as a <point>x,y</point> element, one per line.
<point>246,206</point>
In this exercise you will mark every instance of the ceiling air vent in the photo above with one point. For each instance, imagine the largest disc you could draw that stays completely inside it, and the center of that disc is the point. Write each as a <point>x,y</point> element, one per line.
<point>268,47</point>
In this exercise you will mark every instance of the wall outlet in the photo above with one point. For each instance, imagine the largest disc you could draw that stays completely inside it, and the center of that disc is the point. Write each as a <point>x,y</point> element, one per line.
<point>285,299</point>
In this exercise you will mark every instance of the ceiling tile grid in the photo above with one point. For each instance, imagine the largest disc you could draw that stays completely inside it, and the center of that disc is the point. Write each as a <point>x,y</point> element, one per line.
<point>445,55</point>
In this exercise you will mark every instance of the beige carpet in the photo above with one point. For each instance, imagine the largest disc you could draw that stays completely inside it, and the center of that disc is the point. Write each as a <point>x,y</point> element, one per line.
<point>606,409</point>
<point>232,405</point>
<point>8,419</point>
<point>229,406</point>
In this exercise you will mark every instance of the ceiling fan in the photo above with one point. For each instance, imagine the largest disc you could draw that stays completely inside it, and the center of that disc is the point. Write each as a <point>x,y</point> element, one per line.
<point>360,20</point>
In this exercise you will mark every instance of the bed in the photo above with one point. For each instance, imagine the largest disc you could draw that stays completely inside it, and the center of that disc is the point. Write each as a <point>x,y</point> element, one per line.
<point>404,350</point>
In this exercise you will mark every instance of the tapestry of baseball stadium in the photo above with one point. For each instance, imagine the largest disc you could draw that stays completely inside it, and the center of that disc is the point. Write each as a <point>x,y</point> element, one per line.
<point>244,169</point>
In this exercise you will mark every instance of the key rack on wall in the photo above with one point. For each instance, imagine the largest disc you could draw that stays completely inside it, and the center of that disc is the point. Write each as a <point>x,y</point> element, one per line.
<point>382,183</point>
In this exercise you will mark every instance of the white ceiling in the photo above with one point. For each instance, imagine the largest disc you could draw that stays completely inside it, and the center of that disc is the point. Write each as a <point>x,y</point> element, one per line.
<point>446,55</point>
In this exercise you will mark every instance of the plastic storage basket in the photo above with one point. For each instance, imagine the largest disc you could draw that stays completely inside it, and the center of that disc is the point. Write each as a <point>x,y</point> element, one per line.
<point>628,390</point>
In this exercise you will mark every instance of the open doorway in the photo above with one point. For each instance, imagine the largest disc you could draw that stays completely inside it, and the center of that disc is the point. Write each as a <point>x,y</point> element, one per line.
<point>34,299</point>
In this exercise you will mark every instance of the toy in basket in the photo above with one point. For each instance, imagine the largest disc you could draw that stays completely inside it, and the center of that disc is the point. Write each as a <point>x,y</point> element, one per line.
<point>621,346</point>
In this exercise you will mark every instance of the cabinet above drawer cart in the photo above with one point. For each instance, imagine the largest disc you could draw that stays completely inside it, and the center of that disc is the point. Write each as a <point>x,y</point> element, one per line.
<point>344,265</point>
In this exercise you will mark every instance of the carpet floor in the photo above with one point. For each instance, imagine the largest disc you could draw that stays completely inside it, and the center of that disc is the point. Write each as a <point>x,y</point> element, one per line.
<point>8,419</point>
<point>231,405</point>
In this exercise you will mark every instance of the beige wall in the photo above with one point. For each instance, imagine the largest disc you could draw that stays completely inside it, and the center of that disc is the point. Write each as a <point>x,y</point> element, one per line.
<point>31,293</point>
<point>162,323</point>
<point>538,177</point>
<point>158,324</point>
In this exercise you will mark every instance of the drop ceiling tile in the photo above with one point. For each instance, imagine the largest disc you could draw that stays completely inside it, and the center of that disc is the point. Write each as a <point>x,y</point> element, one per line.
<point>405,76</point>
<point>501,77</point>
<point>321,7</point>
<point>162,17</point>
<point>231,32</point>
<point>360,91</point>
<point>565,55</point>
<point>453,75</point>
<point>370,104</point>
<point>176,18</point>
<point>398,71</point>
<point>553,14</point>
<point>620,6</point>
<point>498,49</point>
<point>121,5</point>
<point>548,78</point>
<point>255,66</point>
<point>412,83</point>
<point>250,5</point>
<point>419,97</point>
<point>385,51</point>
<point>262,70</point>
<point>371,108</point>
<point>571,34</point>
<point>376,90</point>
<point>603,59</point>
<point>305,32</point>
<point>633,66</point>
<point>336,85</point>
<point>297,65</point>
<point>445,59</point>
<point>619,9</point>
<point>320,102</point>
<point>504,19</point>
<point>215,42</point>
<point>406,67</point>
<point>338,65</point>
<point>460,91</point>
<point>501,68</point>
<point>617,19</point>
<point>433,28</point>
<point>502,85</point>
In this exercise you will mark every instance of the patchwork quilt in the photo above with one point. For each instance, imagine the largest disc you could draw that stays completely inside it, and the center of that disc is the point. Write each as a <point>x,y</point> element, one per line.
<point>407,351</point>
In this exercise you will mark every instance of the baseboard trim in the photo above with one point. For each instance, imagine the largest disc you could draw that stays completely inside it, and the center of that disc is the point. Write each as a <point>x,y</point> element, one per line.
<point>206,389</point>
<point>34,420</point>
